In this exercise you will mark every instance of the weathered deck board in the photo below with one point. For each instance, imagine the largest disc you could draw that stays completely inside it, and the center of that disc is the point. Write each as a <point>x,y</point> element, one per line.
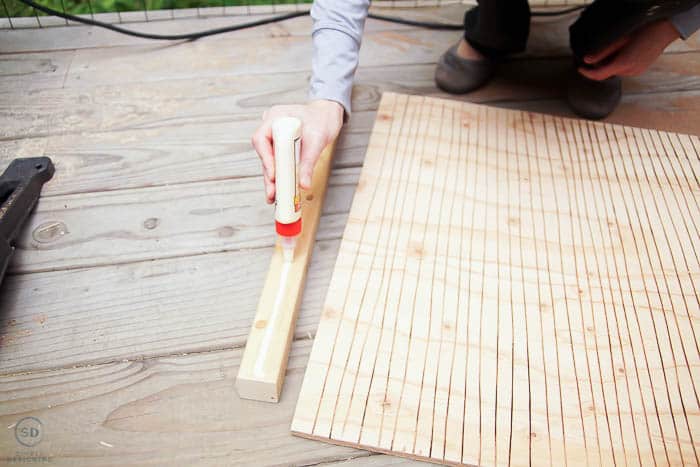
<point>206,58</point>
<point>217,56</point>
<point>211,150</point>
<point>240,100</point>
<point>112,227</point>
<point>88,37</point>
<point>83,37</point>
<point>77,37</point>
<point>180,305</point>
<point>110,138</point>
<point>172,409</point>
<point>26,72</point>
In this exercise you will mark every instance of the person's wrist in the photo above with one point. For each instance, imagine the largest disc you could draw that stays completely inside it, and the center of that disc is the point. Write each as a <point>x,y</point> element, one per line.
<point>327,106</point>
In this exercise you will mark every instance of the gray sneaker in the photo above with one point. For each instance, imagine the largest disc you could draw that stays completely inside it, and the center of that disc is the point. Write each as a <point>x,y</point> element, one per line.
<point>458,75</point>
<point>593,99</point>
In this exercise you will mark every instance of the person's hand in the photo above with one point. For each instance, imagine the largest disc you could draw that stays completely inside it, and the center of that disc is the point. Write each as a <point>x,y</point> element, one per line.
<point>630,55</point>
<point>321,121</point>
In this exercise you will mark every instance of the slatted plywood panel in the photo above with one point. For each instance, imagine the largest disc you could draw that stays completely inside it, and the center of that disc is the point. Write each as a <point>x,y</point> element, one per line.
<point>513,288</point>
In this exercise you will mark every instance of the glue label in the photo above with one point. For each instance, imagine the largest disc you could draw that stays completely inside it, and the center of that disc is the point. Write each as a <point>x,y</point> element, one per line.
<point>286,139</point>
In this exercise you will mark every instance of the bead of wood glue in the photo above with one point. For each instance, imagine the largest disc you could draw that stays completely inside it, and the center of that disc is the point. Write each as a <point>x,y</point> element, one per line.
<point>286,143</point>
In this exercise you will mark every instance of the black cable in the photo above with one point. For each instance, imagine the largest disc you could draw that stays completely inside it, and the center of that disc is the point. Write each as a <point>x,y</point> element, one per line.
<point>168,37</point>
<point>459,27</point>
<point>210,32</point>
<point>422,24</point>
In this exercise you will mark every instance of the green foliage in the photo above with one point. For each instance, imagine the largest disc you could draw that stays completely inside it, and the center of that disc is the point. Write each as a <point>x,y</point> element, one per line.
<point>15,8</point>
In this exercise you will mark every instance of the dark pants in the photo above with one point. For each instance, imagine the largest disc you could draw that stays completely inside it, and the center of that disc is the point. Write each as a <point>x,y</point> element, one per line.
<point>500,27</point>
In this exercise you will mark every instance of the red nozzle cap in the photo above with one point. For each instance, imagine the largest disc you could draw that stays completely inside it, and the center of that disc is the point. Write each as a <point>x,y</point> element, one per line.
<point>288,230</point>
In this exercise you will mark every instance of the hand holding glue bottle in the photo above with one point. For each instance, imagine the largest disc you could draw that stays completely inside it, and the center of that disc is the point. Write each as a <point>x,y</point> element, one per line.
<point>321,121</point>
<point>286,143</point>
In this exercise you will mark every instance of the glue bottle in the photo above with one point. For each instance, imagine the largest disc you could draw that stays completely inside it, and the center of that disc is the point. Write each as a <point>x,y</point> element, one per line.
<point>286,141</point>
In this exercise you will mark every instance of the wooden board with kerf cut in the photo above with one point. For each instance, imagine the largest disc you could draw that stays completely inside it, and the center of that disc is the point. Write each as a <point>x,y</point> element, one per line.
<point>264,361</point>
<point>513,289</point>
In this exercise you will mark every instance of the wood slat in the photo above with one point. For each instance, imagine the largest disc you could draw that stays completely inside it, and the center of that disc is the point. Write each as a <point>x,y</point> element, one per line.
<point>551,235</point>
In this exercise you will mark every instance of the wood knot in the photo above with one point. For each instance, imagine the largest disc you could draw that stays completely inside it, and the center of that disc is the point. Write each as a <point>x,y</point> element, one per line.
<point>49,231</point>
<point>39,319</point>
<point>416,249</point>
<point>151,223</point>
<point>330,313</point>
<point>260,324</point>
<point>384,117</point>
<point>226,231</point>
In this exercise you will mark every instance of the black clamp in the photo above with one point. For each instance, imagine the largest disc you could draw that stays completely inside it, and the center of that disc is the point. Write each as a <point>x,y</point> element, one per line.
<point>20,187</point>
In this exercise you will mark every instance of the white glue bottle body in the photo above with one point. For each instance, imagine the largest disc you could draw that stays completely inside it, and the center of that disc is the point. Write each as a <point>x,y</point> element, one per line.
<point>286,142</point>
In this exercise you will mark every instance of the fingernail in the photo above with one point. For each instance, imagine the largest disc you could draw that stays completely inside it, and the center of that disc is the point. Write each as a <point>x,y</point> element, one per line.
<point>305,181</point>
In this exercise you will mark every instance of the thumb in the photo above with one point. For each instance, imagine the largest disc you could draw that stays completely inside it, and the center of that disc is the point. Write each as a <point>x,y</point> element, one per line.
<point>312,144</point>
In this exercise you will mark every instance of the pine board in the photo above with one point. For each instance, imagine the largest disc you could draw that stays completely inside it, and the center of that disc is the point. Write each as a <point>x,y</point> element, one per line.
<point>513,288</point>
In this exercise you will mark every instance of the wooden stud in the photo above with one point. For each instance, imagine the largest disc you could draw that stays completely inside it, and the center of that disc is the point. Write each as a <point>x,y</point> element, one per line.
<point>264,362</point>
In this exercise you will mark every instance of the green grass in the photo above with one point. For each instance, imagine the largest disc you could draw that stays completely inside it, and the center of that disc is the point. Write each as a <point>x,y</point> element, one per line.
<point>16,8</point>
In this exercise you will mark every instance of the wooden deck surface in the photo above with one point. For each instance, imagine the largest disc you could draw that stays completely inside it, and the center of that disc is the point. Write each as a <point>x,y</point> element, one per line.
<point>126,309</point>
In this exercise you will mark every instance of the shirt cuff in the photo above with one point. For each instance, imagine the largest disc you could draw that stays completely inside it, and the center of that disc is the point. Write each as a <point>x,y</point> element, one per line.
<point>334,63</point>
<point>688,22</point>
